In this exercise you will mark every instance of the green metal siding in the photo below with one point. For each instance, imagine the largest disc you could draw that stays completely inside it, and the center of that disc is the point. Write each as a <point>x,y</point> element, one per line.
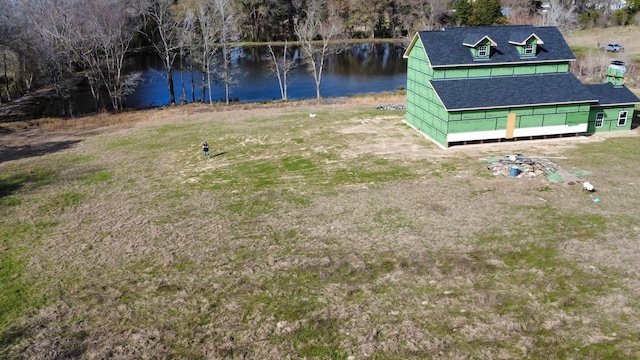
<point>544,110</point>
<point>502,71</point>
<point>456,73</point>
<point>615,75</point>
<point>547,68</point>
<point>531,121</point>
<point>453,116</point>
<point>426,113</point>
<point>525,111</point>
<point>554,119</point>
<point>474,114</point>
<point>499,113</point>
<point>524,70</point>
<point>610,121</point>
<point>498,70</point>
<point>568,109</point>
<point>576,118</point>
<point>440,138</point>
<point>442,112</point>
<point>424,110</point>
<point>439,74</point>
<point>472,125</point>
<point>526,117</point>
<point>479,72</point>
<point>501,123</point>
<point>425,68</point>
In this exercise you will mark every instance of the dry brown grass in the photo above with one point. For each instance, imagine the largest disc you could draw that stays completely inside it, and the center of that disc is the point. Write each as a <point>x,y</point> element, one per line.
<point>592,62</point>
<point>627,36</point>
<point>343,235</point>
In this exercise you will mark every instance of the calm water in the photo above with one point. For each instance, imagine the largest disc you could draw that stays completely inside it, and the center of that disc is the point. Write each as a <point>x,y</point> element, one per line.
<point>365,68</point>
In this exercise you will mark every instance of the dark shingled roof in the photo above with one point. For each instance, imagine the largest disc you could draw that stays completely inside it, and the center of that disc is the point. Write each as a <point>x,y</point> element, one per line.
<point>608,94</point>
<point>520,35</point>
<point>473,39</point>
<point>444,47</point>
<point>509,91</point>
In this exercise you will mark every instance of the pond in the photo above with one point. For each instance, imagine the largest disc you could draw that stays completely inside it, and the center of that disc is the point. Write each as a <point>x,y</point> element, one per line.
<point>363,68</point>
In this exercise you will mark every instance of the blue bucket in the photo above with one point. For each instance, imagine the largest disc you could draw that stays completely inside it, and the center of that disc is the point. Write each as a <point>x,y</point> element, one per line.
<point>514,171</point>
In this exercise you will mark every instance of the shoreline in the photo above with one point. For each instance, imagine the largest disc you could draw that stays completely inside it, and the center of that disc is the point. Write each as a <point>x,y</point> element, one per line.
<point>102,119</point>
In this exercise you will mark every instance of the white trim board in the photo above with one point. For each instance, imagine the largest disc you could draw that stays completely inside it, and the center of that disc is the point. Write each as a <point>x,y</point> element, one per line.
<point>518,132</point>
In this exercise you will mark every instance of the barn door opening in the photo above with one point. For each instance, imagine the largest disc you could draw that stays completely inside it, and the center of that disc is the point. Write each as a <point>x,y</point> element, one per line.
<point>511,125</point>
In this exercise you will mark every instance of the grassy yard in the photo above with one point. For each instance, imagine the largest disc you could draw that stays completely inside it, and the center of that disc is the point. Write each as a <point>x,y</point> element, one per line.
<point>592,61</point>
<point>343,236</point>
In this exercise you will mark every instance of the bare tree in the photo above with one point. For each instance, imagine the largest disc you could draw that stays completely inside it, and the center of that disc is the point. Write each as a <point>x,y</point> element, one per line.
<point>281,65</point>
<point>92,36</point>
<point>4,34</point>
<point>113,28</point>
<point>265,20</point>
<point>522,12</point>
<point>561,13</point>
<point>186,47</point>
<point>326,24</point>
<point>366,13</point>
<point>61,45</point>
<point>161,28</point>
<point>16,40</point>
<point>420,14</point>
<point>229,33</point>
<point>4,51</point>
<point>255,17</point>
<point>209,30</point>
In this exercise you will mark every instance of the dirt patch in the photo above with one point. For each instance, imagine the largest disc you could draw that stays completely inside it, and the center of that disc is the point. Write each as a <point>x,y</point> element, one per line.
<point>384,133</point>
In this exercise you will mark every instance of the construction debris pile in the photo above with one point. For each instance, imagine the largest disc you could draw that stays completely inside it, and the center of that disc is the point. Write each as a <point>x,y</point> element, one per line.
<point>520,166</point>
<point>391,107</point>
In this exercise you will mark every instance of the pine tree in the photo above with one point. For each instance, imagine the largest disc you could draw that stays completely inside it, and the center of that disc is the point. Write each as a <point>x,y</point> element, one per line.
<point>463,10</point>
<point>485,13</point>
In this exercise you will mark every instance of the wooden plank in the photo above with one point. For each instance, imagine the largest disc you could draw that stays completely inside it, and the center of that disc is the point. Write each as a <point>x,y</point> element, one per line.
<point>511,125</point>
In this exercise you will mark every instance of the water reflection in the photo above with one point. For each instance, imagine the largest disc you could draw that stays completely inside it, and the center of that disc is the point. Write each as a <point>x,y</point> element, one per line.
<point>363,68</point>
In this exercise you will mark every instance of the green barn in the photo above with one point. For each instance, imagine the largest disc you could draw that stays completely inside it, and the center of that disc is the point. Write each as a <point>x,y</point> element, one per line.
<point>474,84</point>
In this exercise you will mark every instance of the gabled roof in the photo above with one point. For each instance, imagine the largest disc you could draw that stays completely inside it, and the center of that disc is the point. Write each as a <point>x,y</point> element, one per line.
<point>444,48</point>
<point>608,94</point>
<point>472,40</point>
<point>510,91</point>
<point>521,36</point>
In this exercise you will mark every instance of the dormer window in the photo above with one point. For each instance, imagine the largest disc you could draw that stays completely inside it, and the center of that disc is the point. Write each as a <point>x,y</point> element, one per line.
<point>479,45</point>
<point>483,51</point>
<point>525,43</point>
<point>530,49</point>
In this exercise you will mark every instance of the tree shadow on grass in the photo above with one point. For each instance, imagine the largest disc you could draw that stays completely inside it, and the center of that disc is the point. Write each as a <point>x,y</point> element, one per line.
<point>10,184</point>
<point>9,153</point>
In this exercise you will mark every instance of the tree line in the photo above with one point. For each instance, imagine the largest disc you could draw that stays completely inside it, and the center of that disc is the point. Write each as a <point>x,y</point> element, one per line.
<point>55,42</point>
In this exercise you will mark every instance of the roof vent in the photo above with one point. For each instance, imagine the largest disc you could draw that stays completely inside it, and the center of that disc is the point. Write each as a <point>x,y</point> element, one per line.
<point>618,65</point>
<point>615,73</point>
